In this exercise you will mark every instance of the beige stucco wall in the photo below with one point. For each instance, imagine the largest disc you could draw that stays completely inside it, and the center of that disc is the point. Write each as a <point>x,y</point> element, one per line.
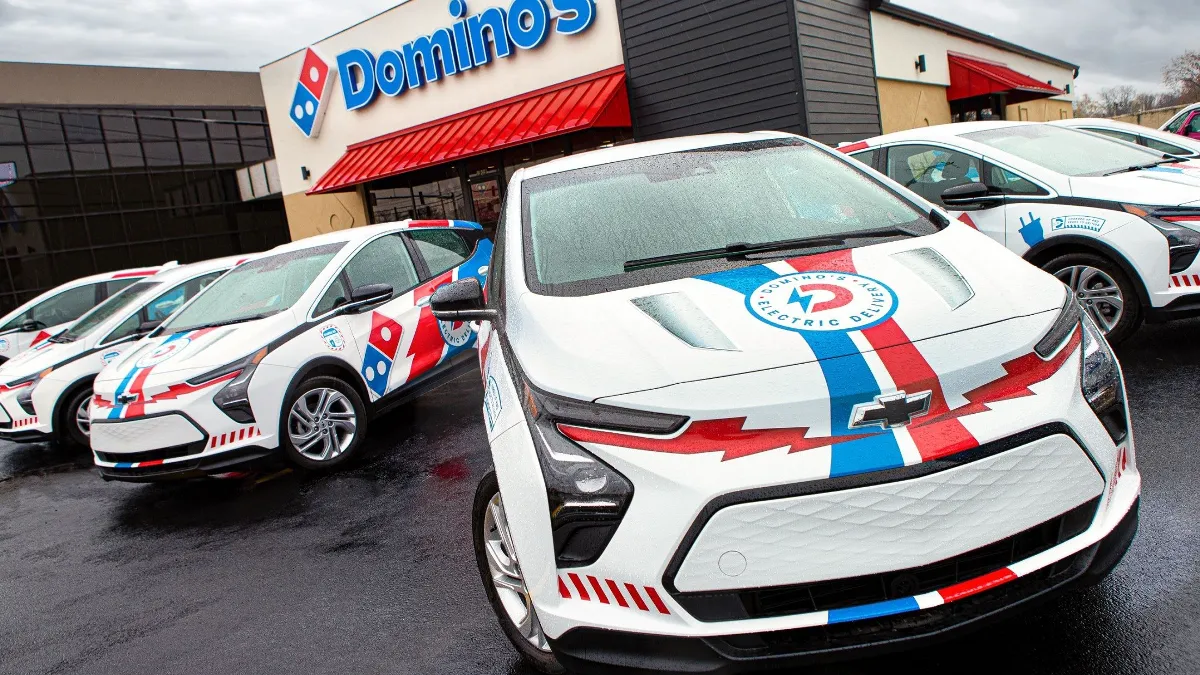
<point>320,214</point>
<point>907,105</point>
<point>52,84</point>
<point>1151,118</point>
<point>1041,110</point>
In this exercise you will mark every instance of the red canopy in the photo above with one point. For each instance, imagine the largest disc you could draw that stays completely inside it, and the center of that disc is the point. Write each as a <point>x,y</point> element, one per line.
<point>970,76</point>
<point>596,100</point>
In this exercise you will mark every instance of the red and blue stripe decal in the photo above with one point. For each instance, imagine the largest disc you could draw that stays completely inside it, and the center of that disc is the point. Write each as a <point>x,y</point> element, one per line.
<point>135,381</point>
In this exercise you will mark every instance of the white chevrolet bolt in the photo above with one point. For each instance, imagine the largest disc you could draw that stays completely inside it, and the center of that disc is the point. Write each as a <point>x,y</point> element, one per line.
<point>751,405</point>
<point>45,393</point>
<point>52,311</point>
<point>295,351</point>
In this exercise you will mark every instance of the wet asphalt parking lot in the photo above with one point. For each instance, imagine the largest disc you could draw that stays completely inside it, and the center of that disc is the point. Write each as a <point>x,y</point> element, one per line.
<point>371,571</point>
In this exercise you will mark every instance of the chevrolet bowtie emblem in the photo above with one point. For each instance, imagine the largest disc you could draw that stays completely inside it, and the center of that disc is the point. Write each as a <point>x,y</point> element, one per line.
<point>126,399</point>
<point>890,410</point>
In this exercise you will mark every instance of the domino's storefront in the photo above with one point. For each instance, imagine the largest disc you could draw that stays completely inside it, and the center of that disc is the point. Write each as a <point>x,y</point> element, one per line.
<point>426,110</point>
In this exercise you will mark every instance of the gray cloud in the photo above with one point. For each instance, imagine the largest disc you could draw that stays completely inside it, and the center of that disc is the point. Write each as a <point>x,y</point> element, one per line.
<point>1114,42</point>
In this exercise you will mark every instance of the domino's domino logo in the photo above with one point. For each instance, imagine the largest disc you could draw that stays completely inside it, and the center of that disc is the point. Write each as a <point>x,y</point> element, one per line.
<point>312,94</point>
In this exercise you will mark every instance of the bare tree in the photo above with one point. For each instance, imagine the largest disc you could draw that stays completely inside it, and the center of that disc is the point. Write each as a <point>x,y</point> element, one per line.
<point>1086,106</point>
<point>1117,100</point>
<point>1182,75</point>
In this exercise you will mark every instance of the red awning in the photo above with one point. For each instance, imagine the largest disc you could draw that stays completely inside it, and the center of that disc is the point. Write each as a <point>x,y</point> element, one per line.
<point>970,76</point>
<point>596,100</point>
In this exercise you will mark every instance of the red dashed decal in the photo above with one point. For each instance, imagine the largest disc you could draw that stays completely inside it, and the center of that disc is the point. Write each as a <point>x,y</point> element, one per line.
<point>27,422</point>
<point>599,594</point>
<point>233,437</point>
<point>1185,280</point>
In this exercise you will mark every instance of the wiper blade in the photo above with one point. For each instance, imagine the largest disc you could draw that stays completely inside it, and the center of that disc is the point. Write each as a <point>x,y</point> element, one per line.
<point>1139,167</point>
<point>739,250</point>
<point>227,322</point>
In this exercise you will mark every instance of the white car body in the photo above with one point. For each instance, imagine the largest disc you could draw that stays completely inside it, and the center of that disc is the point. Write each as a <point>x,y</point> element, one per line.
<point>55,371</point>
<point>1070,213</point>
<point>152,420</point>
<point>1162,141</point>
<point>50,319</point>
<point>1175,124</point>
<point>761,483</point>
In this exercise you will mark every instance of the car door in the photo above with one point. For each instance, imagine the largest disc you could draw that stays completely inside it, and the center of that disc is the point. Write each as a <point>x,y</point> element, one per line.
<point>386,334</point>
<point>929,170</point>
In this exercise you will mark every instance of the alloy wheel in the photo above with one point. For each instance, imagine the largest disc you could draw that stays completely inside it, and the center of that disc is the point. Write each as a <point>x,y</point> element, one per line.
<point>83,417</point>
<point>322,424</point>
<point>507,577</point>
<point>1097,292</point>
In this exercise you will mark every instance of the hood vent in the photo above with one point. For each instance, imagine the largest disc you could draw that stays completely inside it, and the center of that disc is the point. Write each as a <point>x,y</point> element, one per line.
<point>682,318</point>
<point>938,273</point>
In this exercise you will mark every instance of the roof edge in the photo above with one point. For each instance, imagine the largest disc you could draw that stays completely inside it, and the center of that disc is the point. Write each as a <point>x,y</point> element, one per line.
<point>913,16</point>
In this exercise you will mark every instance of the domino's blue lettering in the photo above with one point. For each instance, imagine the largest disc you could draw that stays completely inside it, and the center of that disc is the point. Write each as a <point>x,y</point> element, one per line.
<point>528,23</point>
<point>583,13</point>
<point>436,52</point>
<point>389,73</point>
<point>356,70</point>
<point>462,47</point>
<point>489,26</point>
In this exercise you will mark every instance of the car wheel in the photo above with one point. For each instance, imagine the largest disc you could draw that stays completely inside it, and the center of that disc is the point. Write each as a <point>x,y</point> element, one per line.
<point>324,422</point>
<point>1103,289</point>
<point>75,420</point>
<point>503,581</point>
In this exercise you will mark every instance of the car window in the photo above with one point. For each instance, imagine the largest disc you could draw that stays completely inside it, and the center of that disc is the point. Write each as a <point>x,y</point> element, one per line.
<point>1113,133</point>
<point>117,285</point>
<point>64,307</point>
<point>1070,152</point>
<point>163,306</point>
<point>1177,123</point>
<point>1193,125</point>
<point>256,289</point>
<point>1010,183</point>
<point>337,295</point>
<point>1169,148</point>
<point>442,249</point>
<point>581,227</point>
<point>929,171</point>
<point>383,261</point>
<point>866,157</point>
<point>105,311</point>
<point>15,322</point>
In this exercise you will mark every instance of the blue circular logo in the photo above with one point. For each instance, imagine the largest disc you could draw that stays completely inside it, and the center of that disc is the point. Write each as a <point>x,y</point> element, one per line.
<point>822,302</point>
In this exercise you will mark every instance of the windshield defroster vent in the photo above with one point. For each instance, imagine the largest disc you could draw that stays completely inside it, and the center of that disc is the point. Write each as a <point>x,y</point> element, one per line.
<point>682,318</point>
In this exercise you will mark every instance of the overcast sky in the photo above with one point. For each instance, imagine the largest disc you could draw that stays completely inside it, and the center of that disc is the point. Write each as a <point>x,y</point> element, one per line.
<point>1114,41</point>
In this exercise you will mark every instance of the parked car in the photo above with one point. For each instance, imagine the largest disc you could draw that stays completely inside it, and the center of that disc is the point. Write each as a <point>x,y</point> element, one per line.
<point>1186,122</point>
<point>1154,139</point>
<point>47,390</point>
<point>297,350</point>
<point>749,403</point>
<point>1116,223</point>
<point>52,311</point>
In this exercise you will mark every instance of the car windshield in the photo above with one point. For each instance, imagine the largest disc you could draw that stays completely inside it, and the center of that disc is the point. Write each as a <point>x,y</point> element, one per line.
<point>106,310</point>
<point>255,290</point>
<point>1067,151</point>
<point>584,227</point>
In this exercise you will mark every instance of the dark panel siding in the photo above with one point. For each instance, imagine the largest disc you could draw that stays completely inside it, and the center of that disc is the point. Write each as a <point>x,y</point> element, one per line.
<point>838,68</point>
<point>703,66</point>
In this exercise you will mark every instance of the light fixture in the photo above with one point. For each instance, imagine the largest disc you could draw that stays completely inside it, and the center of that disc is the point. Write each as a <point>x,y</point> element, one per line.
<point>920,64</point>
<point>304,173</point>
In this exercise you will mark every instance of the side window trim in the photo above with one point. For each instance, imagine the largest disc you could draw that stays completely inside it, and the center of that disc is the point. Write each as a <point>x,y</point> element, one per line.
<point>1050,194</point>
<point>418,260</point>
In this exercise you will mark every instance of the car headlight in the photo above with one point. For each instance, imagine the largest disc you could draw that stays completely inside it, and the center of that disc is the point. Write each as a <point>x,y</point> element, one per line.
<point>1183,242</point>
<point>234,398</point>
<point>587,498</point>
<point>1100,381</point>
<point>25,398</point>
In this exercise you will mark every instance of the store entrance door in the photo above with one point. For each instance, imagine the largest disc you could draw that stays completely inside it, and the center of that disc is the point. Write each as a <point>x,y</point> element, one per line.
<point>485,195</point>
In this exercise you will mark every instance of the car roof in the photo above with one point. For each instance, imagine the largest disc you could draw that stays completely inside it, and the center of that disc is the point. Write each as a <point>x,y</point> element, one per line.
<point>357,234</point>
<point>627,151</point>
<point>943,131</point>
<point>184,272</point>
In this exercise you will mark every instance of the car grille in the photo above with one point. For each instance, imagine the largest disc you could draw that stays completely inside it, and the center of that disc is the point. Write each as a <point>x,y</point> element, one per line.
<point>151,455</point>
<point>835,637</point>
<point>849,592</point>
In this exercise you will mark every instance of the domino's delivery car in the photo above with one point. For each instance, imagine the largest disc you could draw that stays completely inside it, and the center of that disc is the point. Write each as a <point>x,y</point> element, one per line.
<point>295,350</point>
<point>45,393</point>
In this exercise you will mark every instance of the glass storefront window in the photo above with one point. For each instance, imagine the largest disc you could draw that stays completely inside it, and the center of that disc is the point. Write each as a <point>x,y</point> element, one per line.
<point>156,125</point>
<point>119,125</point>
<point>221,130</point>
<point>58,197</point>
<point>17,155</point>
<point>190,130</point>
<point>126,155</point>
<point>82,127</point>
<point>227,152</point>
<point>10,127</point>
<point>196,153</point>
<point>161,153</point>
<point>89,157</point>
<point>42,126</point>
<point>49,159</point>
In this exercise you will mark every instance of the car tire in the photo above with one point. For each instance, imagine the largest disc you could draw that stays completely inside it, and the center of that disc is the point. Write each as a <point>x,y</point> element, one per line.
<point>73,431</point>
<point>1093,279</point>
<point>332,434</point>
<point>485,534</point>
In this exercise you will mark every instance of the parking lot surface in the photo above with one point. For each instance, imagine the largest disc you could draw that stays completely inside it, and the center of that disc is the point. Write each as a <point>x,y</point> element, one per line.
<point>371,570</point>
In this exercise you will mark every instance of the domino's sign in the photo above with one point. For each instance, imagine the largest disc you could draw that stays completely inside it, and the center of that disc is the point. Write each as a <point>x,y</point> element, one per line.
<point>471,42</point>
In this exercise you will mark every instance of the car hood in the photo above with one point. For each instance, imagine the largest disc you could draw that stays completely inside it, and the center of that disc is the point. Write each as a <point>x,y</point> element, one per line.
<point>1175,184</point>
<point>35,360</point>
<point>732,322</point>
<point>175,356</point>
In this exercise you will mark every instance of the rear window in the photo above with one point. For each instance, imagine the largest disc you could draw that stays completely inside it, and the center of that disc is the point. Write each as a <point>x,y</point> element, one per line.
<point>1070,152</point>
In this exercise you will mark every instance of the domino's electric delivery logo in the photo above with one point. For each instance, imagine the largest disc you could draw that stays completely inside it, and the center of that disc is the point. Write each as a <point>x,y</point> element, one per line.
<point>312,94</point>
<point>822,302</point>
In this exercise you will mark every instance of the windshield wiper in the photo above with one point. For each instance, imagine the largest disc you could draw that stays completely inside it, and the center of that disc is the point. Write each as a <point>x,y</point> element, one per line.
<point>226,322</point>
<point>61,338</point>
<point>1139,167</point>
<point>739,250</point>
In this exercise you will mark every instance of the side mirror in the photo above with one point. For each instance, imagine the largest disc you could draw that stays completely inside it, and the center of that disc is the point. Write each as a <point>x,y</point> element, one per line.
<point>146,327</point>
<point>970,197</point>
<point>461,301</point>
<point>29,325</point>
<point>367,296</point>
